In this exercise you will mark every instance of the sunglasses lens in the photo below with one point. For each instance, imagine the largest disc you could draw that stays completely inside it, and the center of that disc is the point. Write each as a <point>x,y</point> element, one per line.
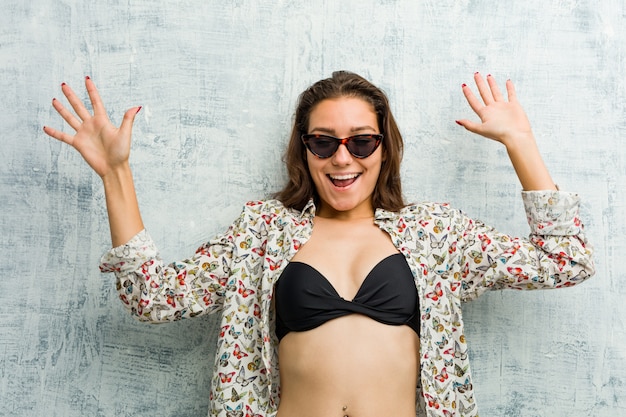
<point>362,146</point>
<point>323,147</point>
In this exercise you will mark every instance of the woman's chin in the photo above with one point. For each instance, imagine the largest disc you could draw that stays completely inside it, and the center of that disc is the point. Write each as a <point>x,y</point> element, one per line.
<point>346,208</point>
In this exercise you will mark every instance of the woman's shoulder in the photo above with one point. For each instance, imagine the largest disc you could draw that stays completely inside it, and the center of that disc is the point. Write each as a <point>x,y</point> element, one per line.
<point>429,208</point>
<point>273,211</point>
<point>269,206</point>
<point>423,213</point>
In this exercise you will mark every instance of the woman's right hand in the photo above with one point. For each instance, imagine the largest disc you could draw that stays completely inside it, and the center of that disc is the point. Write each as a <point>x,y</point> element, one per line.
<point>104,146</point>
<point>106,149</point>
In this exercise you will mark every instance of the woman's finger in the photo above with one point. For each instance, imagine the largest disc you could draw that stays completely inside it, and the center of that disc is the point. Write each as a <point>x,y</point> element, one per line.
<point>94,96</point>
<point>495,90</point>
<point>67,115</point>
<point>58,135</point>
<point>75,102</point>
<point>472,100</point>
<point>483,89</point>
<point>510,90</point>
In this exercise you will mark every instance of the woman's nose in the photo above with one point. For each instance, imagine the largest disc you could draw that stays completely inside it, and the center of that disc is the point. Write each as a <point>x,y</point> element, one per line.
<point>342,156</point>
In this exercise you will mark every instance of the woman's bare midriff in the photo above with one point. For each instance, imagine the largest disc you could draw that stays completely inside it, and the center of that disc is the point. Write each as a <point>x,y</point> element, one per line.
<point>350,366</point>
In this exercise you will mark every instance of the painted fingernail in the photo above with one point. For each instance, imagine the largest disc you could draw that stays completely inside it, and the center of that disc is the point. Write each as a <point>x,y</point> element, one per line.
<point>476,73</point>
<point>488,75</point>
<point>458,123</point>
<point>63,84</point>
<point>87,77</point>
<point>463,85</point>
<point>138,109</point>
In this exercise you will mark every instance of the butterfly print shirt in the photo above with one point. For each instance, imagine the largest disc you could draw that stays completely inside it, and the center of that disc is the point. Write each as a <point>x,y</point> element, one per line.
<point>453,258</point>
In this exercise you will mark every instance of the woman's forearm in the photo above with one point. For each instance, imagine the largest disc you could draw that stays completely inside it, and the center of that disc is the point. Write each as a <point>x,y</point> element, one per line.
<point>122,206</point>
<point>528,164</point>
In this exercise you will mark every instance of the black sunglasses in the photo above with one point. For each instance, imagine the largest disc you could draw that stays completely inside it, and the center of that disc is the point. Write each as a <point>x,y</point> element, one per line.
<point>325,146</point>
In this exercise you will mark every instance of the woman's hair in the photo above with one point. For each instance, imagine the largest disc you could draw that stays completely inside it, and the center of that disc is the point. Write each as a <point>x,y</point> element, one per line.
<point>300,187</point>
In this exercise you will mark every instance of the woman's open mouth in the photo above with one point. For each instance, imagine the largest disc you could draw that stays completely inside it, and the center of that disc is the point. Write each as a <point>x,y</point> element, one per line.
<point>342,180</point>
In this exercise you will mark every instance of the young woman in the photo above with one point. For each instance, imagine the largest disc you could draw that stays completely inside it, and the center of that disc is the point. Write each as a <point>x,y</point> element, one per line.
<point>337,298</point>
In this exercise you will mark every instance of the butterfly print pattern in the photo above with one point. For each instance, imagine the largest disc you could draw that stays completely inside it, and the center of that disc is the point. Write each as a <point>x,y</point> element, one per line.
<point>453,258</point>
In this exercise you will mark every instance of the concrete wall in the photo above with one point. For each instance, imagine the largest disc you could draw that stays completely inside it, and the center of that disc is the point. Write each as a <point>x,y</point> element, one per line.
<point>218,81</point>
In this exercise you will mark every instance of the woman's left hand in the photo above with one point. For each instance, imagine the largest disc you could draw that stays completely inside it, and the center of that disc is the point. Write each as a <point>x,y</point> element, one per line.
<point>505,121</point>
<point>501,120</point>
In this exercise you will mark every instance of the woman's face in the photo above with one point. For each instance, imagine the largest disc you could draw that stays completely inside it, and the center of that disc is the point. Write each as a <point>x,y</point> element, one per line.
<point>345,184</point>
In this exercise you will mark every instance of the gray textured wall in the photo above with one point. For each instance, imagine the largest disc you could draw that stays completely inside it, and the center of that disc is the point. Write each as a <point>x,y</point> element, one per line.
<point>218,81</point>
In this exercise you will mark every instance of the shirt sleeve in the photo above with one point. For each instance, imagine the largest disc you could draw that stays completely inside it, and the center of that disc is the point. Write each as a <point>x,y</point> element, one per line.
<point>155,292</point>
<point>556,253</point>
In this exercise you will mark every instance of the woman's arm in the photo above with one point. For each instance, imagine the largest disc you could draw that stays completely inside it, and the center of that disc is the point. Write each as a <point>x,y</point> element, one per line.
<point>106,149</point>
<point>150,289</point>
<point>556,254</point>
<point>506,122</point>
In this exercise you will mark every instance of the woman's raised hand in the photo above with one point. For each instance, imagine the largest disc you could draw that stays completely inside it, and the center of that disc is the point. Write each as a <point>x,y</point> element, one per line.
<point>106,149</point>
<point>104,146</point>
<point>505,121</point>
<point>501,119</point>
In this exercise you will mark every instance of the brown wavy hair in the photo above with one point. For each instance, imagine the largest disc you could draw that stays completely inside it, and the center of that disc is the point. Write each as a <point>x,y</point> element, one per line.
<point>300,187</point>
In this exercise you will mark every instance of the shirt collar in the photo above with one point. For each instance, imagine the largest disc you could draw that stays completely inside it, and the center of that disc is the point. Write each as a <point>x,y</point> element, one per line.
<point>308,212</point>
<point>382,214</point>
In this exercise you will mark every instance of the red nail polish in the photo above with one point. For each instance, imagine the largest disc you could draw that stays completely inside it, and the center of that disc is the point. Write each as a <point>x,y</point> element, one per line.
<point>87,77</point>
<point>138,109</point>
<point>476,73</point>
<point>458,123</point>
<point>63,84</point>
<point>488,75</point>
<point>463,85</point>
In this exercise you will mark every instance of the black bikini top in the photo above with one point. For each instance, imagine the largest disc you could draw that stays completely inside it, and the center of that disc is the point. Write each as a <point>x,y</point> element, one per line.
<point>305,299</point>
